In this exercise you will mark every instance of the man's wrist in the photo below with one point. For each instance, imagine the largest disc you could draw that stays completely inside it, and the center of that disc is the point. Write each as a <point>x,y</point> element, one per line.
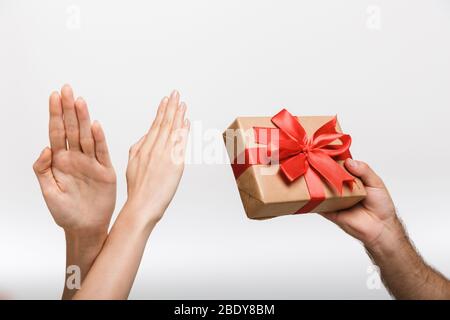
<point>392,238</point>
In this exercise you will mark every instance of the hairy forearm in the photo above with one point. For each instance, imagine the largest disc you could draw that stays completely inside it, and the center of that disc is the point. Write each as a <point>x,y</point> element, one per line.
<point>114,270</point>
<point>403,270</point>
<point>81,250</point>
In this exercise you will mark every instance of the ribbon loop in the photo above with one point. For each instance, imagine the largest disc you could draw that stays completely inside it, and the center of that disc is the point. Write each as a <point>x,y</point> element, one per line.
<point>287,123</point>
<point>299,154</point>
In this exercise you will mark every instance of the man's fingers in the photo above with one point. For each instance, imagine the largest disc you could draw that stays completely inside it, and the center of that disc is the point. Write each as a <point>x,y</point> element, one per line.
<point>345,219</point>
<point>153,132</point>
<point>332,216</point>
<point>86,138</point>
<point>365,173</point>
<point>101,148</point>
<point>70,118</point>
<point>43,171</point>
<point>57,133</point>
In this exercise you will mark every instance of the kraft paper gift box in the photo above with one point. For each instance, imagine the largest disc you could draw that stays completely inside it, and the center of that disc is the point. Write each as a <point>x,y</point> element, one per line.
<point>308,174</point>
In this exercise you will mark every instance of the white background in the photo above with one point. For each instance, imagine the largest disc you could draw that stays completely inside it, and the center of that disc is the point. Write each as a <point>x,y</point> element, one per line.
<point>387,77</point>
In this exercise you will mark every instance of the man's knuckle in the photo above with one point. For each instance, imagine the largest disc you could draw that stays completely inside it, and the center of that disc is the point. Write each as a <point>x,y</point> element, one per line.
<point>364,165</point>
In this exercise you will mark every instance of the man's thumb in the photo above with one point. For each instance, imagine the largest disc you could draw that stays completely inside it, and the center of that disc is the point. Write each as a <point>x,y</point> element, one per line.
<point>364,172</point>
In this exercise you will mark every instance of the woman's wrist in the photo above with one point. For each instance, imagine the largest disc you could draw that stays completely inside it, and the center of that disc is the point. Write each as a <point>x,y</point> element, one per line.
<point>143,215</point>
<point>82,247</point>
<point>86,238</point>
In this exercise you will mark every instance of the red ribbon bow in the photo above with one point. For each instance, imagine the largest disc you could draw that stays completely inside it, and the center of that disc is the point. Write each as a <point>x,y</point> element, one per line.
<point>299,155</point>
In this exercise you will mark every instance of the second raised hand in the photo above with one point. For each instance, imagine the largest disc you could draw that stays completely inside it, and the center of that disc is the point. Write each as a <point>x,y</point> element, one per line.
<point>77,179</point>
<point>155,167</point>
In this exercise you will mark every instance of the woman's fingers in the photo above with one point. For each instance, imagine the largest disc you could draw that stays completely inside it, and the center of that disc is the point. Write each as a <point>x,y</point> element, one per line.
<point>136,147</point>
<point>70,118</point>
<point>179,116</point>
<point>167,121</point>
<point>184,137</point>
<point>101,147</point>
<point>43,171</point>
<point>149,141</point>
<point>179,124</point>
<point>180,138</point>
<point>86,139</point>
<point>57,133</point>
<point>185,133</point>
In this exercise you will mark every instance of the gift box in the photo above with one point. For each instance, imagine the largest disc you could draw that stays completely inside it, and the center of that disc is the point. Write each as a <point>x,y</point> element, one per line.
<point>291,165</point>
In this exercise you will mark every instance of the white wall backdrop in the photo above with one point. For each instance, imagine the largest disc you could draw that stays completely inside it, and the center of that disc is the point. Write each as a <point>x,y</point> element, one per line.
<point>381,65</point>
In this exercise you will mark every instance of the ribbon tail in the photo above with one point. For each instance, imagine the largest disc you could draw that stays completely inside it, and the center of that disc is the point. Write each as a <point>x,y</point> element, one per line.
<point>316,191</point>
<point>330,170</point>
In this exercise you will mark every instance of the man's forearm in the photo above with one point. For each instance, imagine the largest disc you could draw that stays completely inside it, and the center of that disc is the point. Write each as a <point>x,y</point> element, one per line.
<point>81,250</point>
<point>403,270</point>
<point>114,270</point>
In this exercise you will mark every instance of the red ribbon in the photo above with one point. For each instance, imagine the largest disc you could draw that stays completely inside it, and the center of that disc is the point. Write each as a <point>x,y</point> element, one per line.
<point>299,155</point>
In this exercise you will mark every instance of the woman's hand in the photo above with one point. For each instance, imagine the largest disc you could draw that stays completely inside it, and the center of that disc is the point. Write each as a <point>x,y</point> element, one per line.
<point>77,180</point>
<point>154,171</point>
<point>156,161</point>
<point>76,175</point>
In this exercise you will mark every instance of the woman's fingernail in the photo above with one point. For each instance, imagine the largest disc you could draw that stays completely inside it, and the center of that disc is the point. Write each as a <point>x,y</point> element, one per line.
<point>174,94</point>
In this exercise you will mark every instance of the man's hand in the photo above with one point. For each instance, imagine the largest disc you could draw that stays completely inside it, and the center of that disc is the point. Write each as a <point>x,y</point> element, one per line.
<point>77,178</point>
<point>375,223</point>
<point>373,219</point>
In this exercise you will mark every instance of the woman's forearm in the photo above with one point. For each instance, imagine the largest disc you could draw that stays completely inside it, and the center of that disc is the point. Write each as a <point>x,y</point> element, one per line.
<point>81,250</point>
<point>155,167</point>
<point>113,272</point>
